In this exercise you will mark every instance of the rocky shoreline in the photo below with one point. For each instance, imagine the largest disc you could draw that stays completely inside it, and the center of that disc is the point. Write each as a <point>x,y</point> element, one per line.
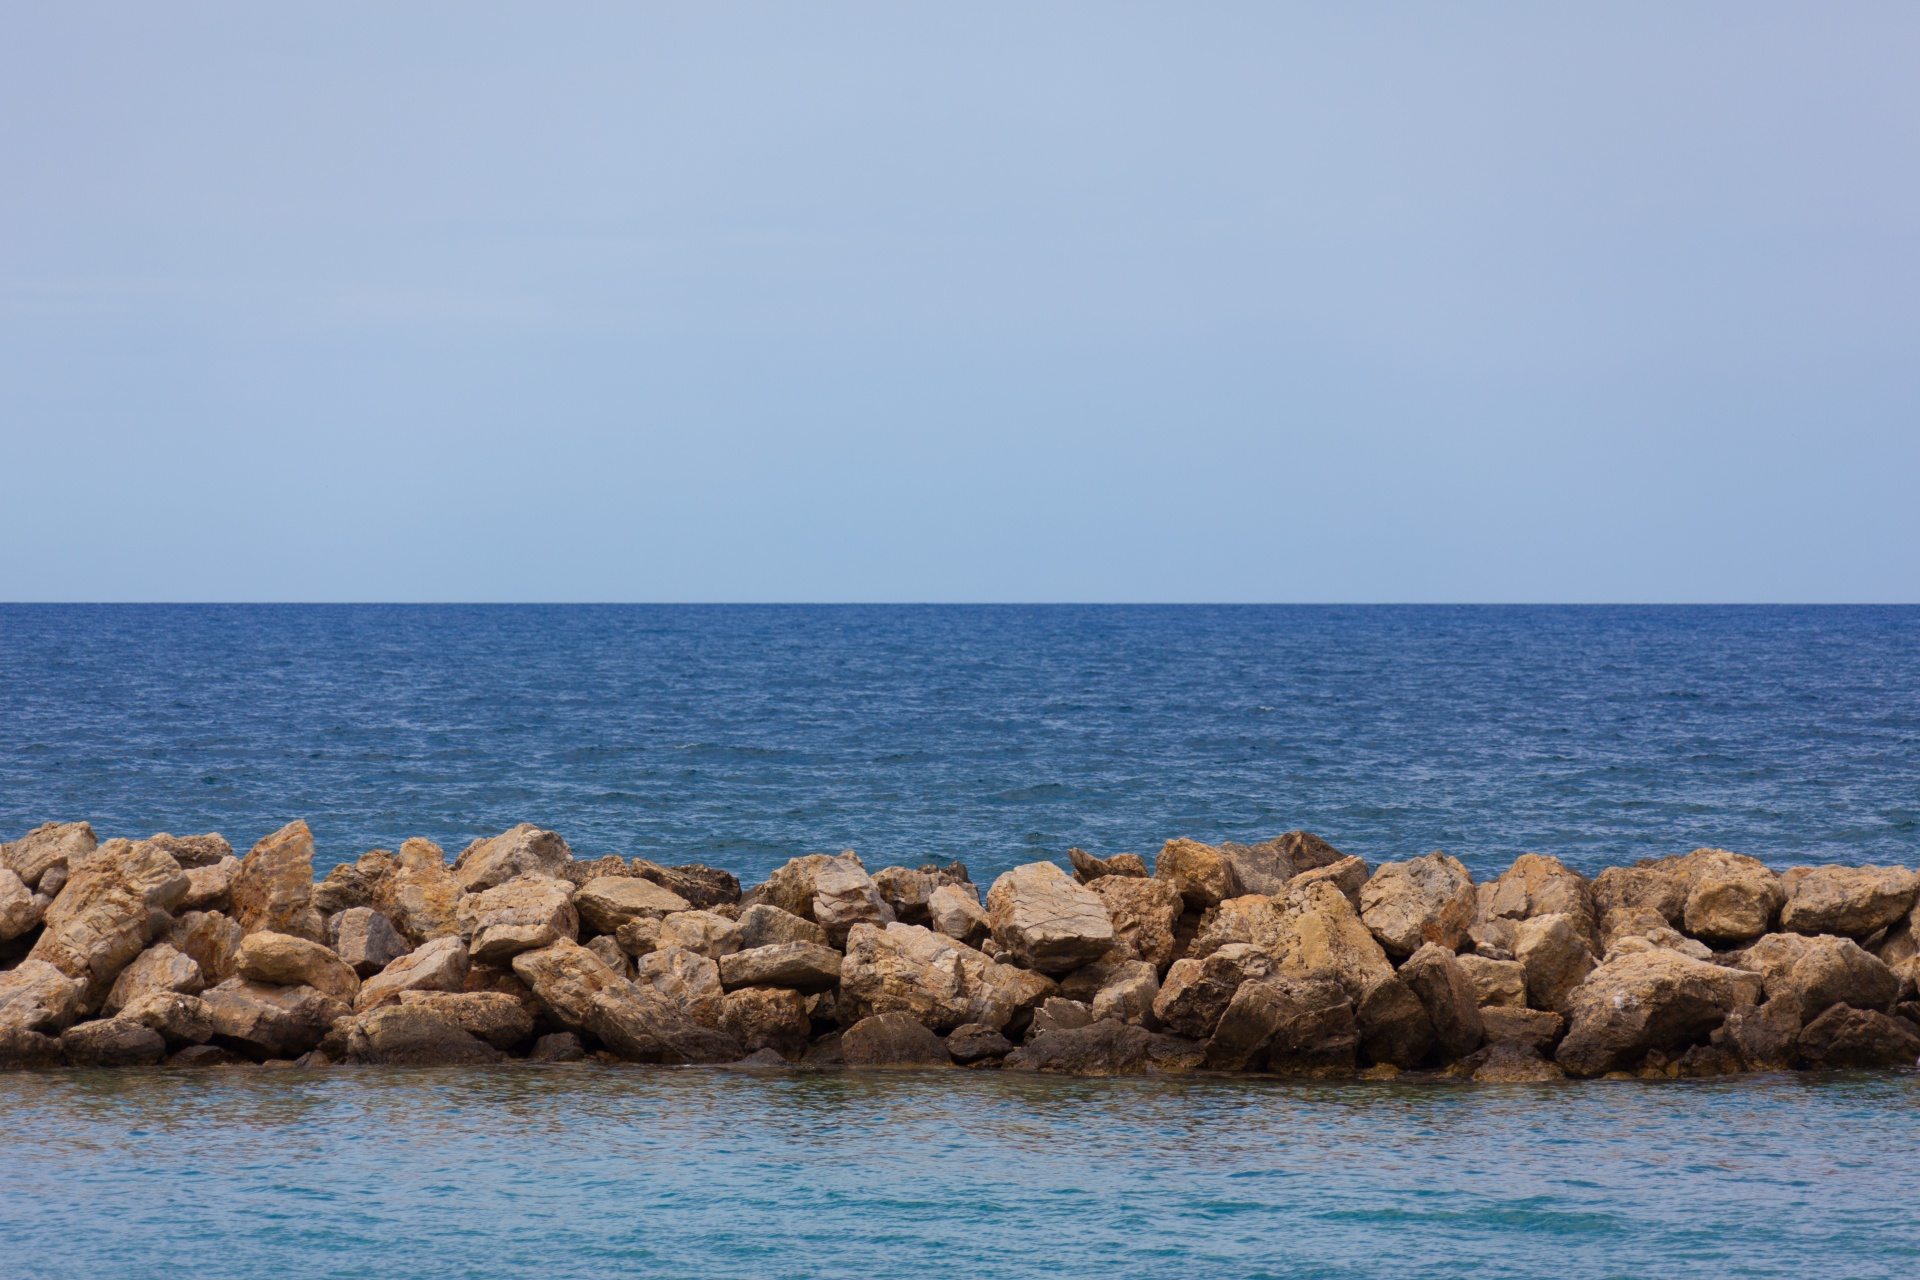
<point>1284,957</point>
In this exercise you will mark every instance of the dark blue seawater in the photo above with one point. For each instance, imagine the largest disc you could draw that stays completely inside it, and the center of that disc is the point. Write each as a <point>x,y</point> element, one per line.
<point>742,736</point>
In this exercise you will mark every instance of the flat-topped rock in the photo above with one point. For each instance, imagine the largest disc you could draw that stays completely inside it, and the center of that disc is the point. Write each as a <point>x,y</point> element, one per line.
<point>1046,921</point>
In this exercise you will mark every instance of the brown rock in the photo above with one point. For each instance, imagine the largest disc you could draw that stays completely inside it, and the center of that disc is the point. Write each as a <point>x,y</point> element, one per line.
<point>1819,972</point>
<point>347,886</point>
<point>1844,1036</point>
<point>908,892</point>
<point>439,965</point>
<point>1348,875</point>
<point>1508,1062</point>
<point>35,996</point>
<point>112,1042</point>
<point>704,888</point>
<point>293,962</point>
<point>1637,922</point>
<point>107,914</point>
<point>765,926</point>
<point>611,901</point>
<point>1143,913</point>
<point>1086,867</point>
<point>892,1040</point>
<point>264,1021</point>
<point>194,851</point>
<point>1427,899</point>
<point>1297,1026</point>
<point>1322,933</point>
<point>1251,918</point>
<point>1263,868</point>
<point>938,982</point>
<point>1201,873</point>
<point>579,871</point>
<point>1045,921</point>
<point>1554,951</point>
<point>1648,883</point>
<point>27,1050</point>
<point>1058,1014</point>
<point>1100,1049</point>
<point>1730,898</point>
<point>211,940</point>
<point>613,955</point>
<point>522,915</point>
<point>1536,885</point>
<point>1197,992</point>
<point>414,1035</point>
<point>365,940</point>
<point>976,1044</point>
<point>1500,983</point>
<point>273,890</point>
<point>1765,1035</point>
<point>1450,998</point>
<point>1128,995</point>
<point>210,888</point>
<point>1536,1029</point>
<point>1393,1025</point>
<point>1308,852</point>
<point>492,1016</point>
<point>52,846</point>
<point>20,910</point>
<point>768,1018</point>
<point>561,1046</point>
<point>520,851</point>
<point>844,895</point>
<point>160,968</point>
<point>179,1018</point>
<point>801,966</point>
<point>418,893</point>
<point>955,910</point>
<point>636,937</point>
<point>1646,1001</point>
<point>634,1021</point>
<point>685,978</point>
<point>1853,902</point>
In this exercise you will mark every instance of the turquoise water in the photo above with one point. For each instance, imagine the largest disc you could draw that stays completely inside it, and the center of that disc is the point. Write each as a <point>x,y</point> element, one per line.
<point>590,1171</point>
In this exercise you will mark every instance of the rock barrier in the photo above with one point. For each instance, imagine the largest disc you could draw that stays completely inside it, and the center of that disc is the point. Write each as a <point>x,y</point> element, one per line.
<point>1284,957</point>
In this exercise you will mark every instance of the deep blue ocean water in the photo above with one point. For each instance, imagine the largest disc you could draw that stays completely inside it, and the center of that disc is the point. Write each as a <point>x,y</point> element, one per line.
<point>744,736</point>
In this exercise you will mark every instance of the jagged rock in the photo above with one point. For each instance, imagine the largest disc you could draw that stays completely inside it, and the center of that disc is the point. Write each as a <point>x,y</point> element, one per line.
<point>1058,1014</point>
<point>1630,922</point>
<point>1497,982</point>
<point>414,1035</point>
<point>634,1021</point>
<point>802,966</point>
<point>686,978</point>
<point>293,962</point>
<point>52,846</point>
<point>211,940</point>
<point>1201,874</point>
<point>637,937</point>
<point>1553,949</point>
<point>1650,1000</point>
<point>1535,885</point>
<point>1086,867</point>
<point>611,901</point>
<point>20,910</point>
<point>935,980</point>
<point>418,893</point>
<point>1844,1036</point>
<point>112,1042</point>
<point>1535,1028</point>
<point>206,1055</point>
<point>1263,868</point>
<point>180,1019</point>
<point>765,926</point>
<point>1099,1049</point>
<point>1450,998</point>
<point>1426,899</point>
<point>613,955</point>
<point>35,996</point>
<point>955,910</point>
<point>365,940</point>
<point>909,893</point>
<point>578,872</point>
<point>1662,937</point>
<point>1045,921</point>
<point>1393,1025</point>
<point>210,888</point>
<point>520,851</point>
<point>1128,995</point>
<point>1297,1026</point>
<point>264,1021</point>
<point>1765,1035</point>
<point>1321,932</point>
<point>1730,898</point>
<point>439,965</point>
<point>160,968</point>
<point>1250,918</point>
<point>1819,972</point>
<point>892,1040</point>
<point>974,1043</point>
<point>561,1046</point>
<point>1308,852</point>
<point>1853,902</point>
<point>273,890</point>
<point>27,1050</point>
<point>703,887</point>
<point>768,1018</point>
<point>844,895</point>
<point>522,915</point>
<point>492,1016</point>
<point>1198,991</point>
<point>790,887</point>
<point>1507,1062</point>
<point>1143,913</point>
<point>1648,883</point>
<point>347,886</point>
<point>1348,875</point>
<point>823,1010</point>
<point>108,913</point>
<point>194,851</point>
<point>708,934</point>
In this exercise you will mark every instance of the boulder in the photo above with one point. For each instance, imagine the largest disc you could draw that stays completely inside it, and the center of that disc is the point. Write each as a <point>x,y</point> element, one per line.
<point>1297,1026</point>
<point>35,996</point>
<point>1536,885</point>
<point>27,1050</point>
<point>20,910</point>
<point>1308,852</point>
<point>636,937</point>
<point>191,852</point>
<point>937,981</point>
<point>264,1021</point>
<point>1507,1062</point>
<point>1260,868</point>
<point>1553,950</point>
<point>293,962</point>
<point>211,888</point>
<point>955,910</point>
<point>1426,899</point>
<point>108,913</point>
<point>492,1016</point>
<point>613,955</point>
<point>703,887</point>
<point>1537,1029</point>
<point>1731,898</point>
<point>1650,1000</point>
<point>561,1046</point>
<point>179,1018</point>
<point>1348,875</point>
<point>1638,922</point>
<point>418,893</point>
<point>352,884</point>
<point>112,1042</point>
<point>908,893</point>
<point>439,965</point>
<point>844,895</point>
<point>801,966</point>
<point>976,1044</point>
<point>633,1020</point>
<point>1201,874</point>
<point>521,915</point>
<point>1087,868</point>
<point>892,1040</point>
<point>1854,902</point>
<point>1197,991</point>
<point>211,940</point>
<point>414,1035</point>
<point>768,1018</point>
<point>519,851</point>
<point>1819,972</point>
<point>1501,983</point>
<point>1058,1014</point>
<point>765,926</point>
<point>686,978</point>
<point>1393,1025</point>
<point>1099,1049</point>
<point>1765,1035</point>
<point>1450,998</point>
<point>53,846</point>
<point>1143,913</point>
<point>1251,918</point>
<point>704,932</point>
<point>160,968</point>
<point>1045,921</point>
<point>1128,995</point>
<point>1649,883</point>
<point>273,890</point>
<point>365,940</point>
<point>1320,933</point>
<point>611,901</point>
<point>578,872</point>
<point>1844,1036</point>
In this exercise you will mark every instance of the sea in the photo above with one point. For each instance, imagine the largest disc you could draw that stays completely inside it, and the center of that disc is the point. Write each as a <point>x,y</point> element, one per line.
<point>741,736</point>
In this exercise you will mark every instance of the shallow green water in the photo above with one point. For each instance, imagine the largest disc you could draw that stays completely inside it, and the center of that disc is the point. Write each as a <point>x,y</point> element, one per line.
<point>595,1171</point>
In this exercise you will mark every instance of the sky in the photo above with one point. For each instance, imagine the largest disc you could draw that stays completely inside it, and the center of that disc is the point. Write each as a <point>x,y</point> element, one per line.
<point>1025,302</point>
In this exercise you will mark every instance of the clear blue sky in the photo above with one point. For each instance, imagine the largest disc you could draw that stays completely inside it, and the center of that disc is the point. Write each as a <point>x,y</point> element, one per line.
<point>1094,301</point>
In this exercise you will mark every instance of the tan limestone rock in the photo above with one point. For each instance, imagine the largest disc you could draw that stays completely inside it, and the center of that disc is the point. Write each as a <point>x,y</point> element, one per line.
<point>1295,1026</point>
<point>519,851</point>
<point>352,884</point>
<point>1853,902</point>
<point>1045,921</point>
<point>1652,1000</point>
<point>52,846</point>
<point>1321,933</point>
<point>418,892</point>
<point>634,1020</point>
<point>909,892</point>
<point>36,997</point>
<point>160,968</point>
<point>1816,973</point>
<point>209,888</point>
<point>212,940</point>
<point>955,910</point>
<point>1731,898</point>
<point>273,889</point>
<point>1451,999</point>
<point>686,978</point>
<point>181,1019</point>
<point>932,978</point>
<point>1348,875</point>
<point>1501,983</point>
<point>1144,913</point>
<point>365,940</point>
<point>294,962</point>
<point>1425,899</point>
<point>802,966</point>
<point>1650,883</point>
<point>764,926</point>
<point>892,1040</point>
<point>1536,885</point>
<point>265,1020</point>
<point>20,911</point>
<point>613,955</point>
<point>495,1017</point>
<point>637,937</point>
<point>703,932</point>
<point>611,901</point>
<point>1128,994</point>
<point>1201,873</point>
<point>439,965</point>
<point>521,915</point>
<point>111,1042</point>
<point>1538,1029</point>
<point>414,1035</point>
<point>1554,951</point>
<point>1196,992</point>
<point>1251,918</point>
<point>844,895</point>
<point>1263,868</point>
<point>108,913</point>
<point>768,1018</point>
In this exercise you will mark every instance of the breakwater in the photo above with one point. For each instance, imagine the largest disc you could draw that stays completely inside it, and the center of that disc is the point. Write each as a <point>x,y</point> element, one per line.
<point>1283,956</point>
